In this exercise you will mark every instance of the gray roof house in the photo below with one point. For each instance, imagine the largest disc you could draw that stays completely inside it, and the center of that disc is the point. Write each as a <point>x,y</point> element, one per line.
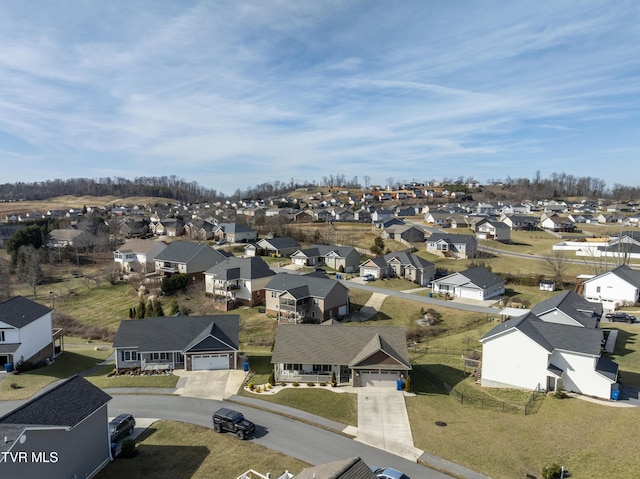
<point>25,331</point>
<point>406,234</point>
<point>193,259</point>
<point>400,264</point>
<point>138,255</point>
<point>334,257</point>
<point>367,356</point>
<point>476,283</point>
<point>569,308</point>
<point>178,342</point>
<point>617,287</point>
<point>52,429</point>
<point>279,246</point>
<point>77,239</point>
<point>452,246</point>
<point>351,468</point>
<point>235,233</point>
<point>237,281</point>
<point>306,298</point>
<point>535,352</point>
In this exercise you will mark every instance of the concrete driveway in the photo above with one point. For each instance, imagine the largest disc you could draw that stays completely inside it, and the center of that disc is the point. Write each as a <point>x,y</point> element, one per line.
<point>383,421</point>
<point>209,384</point>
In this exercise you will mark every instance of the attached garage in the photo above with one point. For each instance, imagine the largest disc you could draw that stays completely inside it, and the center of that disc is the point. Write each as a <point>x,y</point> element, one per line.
<point>207,362</point>
<point>379,378</point>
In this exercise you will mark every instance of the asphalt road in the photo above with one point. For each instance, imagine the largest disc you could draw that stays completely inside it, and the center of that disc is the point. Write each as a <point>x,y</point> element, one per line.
<point>297,439</point>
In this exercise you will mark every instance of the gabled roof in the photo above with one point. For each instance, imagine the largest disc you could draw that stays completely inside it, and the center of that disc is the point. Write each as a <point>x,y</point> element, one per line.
<point>240,268</point>
<point>330,344</point>
<point>139,246</point>
<point>303,285</point>
<point>176,333</point>
<point>451,239</point>
<point>351,468</point>
<point>342,251</point>
<point>552,335</point>
<point>281,242</point>
<point>408,259</point>
<point>185,251</point>
<point>66,404</point>
<point>20,311</point>
<point>607,368</point>
<point>235,228</point>
<point>573,305</point>
<point>478,276</point>
<point>631,276</point>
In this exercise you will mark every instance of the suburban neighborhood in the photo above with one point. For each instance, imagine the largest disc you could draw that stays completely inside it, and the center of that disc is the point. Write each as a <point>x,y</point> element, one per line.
<point>498,307</point>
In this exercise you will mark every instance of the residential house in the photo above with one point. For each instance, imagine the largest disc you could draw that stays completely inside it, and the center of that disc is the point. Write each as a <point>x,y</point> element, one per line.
<point>343,214</point>
<point>178,342</point>
<point>138,255</point>
<point>322,215</point>
<point>556,341</point>
<point>400,264</point>
<point>281,247</point>
<point>452,246</point>
<point>404,233</point>
<point>340,258</point>
<point>199,229</point>
<point>406,211</point>
<point>306,298</point>
<point>235,233</point>
<point>476,283</point>
<point>302,216</point>
<point>520,222</point>
<point>26,332</point>
<point>381,214</point>
<point>363,357</point>
<point>582,218</point>
<point>557,223</point>
<point>351,468</point>
<point>485,209</point>
<point>168,227</point>
<point>362,215</point>
<point>553,207</point>
<point>192,259</point>
<point>495,230</point>
<point>441,219</point>
<point>133,227</point>
<point>62,432</point>
<point>617,287</point>
<point>237,281</point>
<point>69,238</point>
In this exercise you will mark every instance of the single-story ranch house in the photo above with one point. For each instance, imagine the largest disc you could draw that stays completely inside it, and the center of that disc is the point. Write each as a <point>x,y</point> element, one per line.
<point>178,342</point>
<point>367,356</point>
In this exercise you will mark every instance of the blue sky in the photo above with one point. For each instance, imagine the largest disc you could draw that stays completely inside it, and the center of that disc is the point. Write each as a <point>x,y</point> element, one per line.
<point>231,94</point>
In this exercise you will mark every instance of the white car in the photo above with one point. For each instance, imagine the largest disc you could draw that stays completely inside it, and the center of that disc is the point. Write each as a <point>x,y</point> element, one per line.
<point>369,277</point>
<point>388,473</point>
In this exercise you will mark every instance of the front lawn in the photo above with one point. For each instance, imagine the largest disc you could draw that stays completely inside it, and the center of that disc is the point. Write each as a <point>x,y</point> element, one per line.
<point>99,378</point>
<point>174,450</point>
<point>70,362</point>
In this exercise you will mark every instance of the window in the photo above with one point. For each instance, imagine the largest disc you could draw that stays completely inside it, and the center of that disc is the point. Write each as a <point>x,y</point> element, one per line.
<point>2,336</point>
<point>597,289</point>
<point>179,358</point>
<point>322,367</point>
<point>130,356</point>
<point>274,294</point>
<point>292,366</point>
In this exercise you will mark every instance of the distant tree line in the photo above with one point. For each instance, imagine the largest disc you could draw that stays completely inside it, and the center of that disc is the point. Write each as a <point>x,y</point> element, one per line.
<point>558,185</point>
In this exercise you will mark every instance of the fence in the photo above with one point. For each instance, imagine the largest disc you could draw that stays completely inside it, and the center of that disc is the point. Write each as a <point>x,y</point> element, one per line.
<point>481,402</point>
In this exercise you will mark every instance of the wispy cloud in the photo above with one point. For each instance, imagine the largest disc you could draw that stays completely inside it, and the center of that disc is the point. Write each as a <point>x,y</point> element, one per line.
<point>235,93</point>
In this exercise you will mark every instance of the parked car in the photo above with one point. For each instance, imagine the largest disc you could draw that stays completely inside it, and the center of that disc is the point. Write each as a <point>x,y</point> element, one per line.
<point>621,316</point>
<point>221,241</point>
<point>228,420</point>
<point>369,277</point>
<point>388,473</point>
<point>120,426</point>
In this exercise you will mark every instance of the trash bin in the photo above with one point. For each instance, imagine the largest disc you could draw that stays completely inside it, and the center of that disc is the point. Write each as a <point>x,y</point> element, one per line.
<point>8,367</point>
<point>431,295</point>
<point>338,276</point>
<point>615,395</point>
<point>245,366</point>
<point>399,385</point>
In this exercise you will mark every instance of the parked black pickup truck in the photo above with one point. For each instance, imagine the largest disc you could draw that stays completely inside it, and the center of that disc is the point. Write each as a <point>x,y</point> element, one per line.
<point>621,317</point>
<point>232,421</point>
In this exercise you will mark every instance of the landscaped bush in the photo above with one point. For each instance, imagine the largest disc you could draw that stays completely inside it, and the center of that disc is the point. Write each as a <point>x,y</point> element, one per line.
<point>323,384</point>
<point>311,384</point>
<point>552,471</point>
<point>72,327</point>
<point>24,366</point>
<point>296,384</point>
<point>175,282</point>
<point>251,386</point>
<point>128,448</point>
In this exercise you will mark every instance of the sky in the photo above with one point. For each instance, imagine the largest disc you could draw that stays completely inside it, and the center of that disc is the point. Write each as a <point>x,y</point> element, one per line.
<point>232,94</point>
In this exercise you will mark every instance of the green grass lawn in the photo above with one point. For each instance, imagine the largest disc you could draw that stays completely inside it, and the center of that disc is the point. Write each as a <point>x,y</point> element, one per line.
<point>626,352</point>
<point>173,450</point>
<point>99,378</point>
<point>70,362</point>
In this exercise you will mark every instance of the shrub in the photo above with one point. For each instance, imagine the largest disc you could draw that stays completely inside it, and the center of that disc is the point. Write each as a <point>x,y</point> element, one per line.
<point>559,392</point>
<point>175,282</point>
<point>272,378</point>
<point>552,471</point>
<point>323,384</point>
<point>334,381</point>
<point>311,384</point>
<point>251,386</point>
<point>24,366</point>
<point>14,386</point>
<point>407,384</point>
<point>128,448</point>
<point>296,384</point>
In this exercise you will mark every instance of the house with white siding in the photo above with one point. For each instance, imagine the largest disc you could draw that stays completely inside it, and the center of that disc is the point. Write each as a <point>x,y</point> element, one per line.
<point>615,288</point>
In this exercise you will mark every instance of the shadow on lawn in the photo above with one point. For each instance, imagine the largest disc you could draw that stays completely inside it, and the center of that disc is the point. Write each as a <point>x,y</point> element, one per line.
<point>624,338</point>
<point>434,378</point>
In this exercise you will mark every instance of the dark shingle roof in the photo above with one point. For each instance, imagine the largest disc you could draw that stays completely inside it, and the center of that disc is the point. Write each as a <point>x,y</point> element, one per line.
<point>607,368</point>
<point>629,275</point>
<point>451,238</point>
<point>66,404</point>
<point>176,333</point>
<point>184,251</point>
<point>20,311</point>
<point>241,268</point>
<point>482,277</point>
<point>282,242</point>
<point>313,344</point>
<point>407,259</point>
<point>316,286</point>
<point>573,305</point>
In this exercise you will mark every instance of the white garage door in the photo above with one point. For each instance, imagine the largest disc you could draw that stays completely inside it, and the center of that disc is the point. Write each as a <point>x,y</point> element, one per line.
<point>379,379</point>
<point>210,361</point>
<point>300,261</point>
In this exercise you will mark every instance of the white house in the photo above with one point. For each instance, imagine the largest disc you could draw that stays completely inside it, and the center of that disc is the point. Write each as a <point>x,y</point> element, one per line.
<point>615,288</point>
<point>25,331</point>
<point>476,283</point>
<point>561,342</point>
<point>138,255</point>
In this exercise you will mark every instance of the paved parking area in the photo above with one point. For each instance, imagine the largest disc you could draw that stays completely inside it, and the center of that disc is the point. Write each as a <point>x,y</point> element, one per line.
<point>383,421</point>
<point>210,384</point>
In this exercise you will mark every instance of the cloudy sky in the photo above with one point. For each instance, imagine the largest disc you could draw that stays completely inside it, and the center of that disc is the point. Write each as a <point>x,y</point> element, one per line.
<point>235,93</point>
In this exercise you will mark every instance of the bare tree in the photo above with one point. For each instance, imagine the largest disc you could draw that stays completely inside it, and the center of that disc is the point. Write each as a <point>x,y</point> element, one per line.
<point>6,292</point>
<point>367,181</point>
<point>557,265</point>
<point>29,267</point>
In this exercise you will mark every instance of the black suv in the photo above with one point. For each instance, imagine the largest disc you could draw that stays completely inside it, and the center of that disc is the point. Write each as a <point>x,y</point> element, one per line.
<point>121,425</point>
<point>232,421</point>
<point>620,316</point>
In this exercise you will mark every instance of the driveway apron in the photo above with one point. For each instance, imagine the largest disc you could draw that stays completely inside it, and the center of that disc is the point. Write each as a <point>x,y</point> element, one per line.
<point>383,421</point>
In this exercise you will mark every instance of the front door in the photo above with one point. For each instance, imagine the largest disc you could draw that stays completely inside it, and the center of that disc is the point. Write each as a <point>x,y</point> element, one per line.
<point>344,374</point>
<point>551,384</point>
